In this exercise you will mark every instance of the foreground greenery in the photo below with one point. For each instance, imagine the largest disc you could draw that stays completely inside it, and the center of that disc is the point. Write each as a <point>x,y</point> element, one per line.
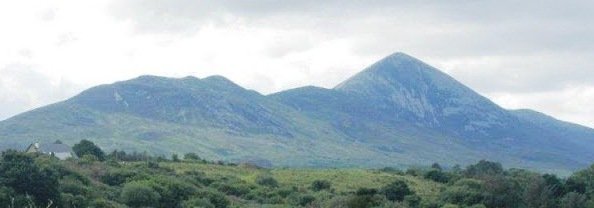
<point>120,179</point>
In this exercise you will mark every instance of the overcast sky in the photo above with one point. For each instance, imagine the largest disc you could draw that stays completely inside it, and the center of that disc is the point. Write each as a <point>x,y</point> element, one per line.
<point>522,54</point>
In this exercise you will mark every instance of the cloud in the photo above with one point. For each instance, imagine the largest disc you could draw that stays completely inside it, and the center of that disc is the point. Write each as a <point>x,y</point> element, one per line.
<point>22,88</point>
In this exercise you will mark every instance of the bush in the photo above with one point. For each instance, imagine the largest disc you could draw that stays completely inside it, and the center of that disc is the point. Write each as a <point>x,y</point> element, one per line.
<point>437,176</point>
<point>198,177</point>
<point>73,201</point>
<point>237,189</point>
<point>266,180</point>
<point>319,185</point>
<point>573,200</point>
<point>191,156</point>
<point>172,190</point>
<point>464,192</point>
<point>86,147</point>
<point>102,203</point>
<point>197,203</point>
<point>396,191</point>
<point>215,198</point>
<point>364,201</point>
<point>20,173</point>
<point>484,168</point>
<point>412,200</point>
<point>117,177</point>
<point>139,195</point>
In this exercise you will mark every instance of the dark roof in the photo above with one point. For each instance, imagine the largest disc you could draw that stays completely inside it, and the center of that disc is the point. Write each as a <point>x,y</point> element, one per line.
<point>54,148</point>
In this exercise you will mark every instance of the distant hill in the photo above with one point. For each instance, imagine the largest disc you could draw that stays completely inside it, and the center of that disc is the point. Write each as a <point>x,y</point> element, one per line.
<point>397,112</point>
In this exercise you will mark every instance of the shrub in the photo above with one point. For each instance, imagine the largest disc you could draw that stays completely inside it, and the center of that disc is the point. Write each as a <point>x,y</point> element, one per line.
<point>197,202</point>
<point>117,177</point>
<point>464,192</point>
<point>484,168</point>
<point>396,191</point>
<point>573,200</point>
<point>198,177</point>
<point>73,201</point>
<point>319,185</point>
<point>171,190</point>
<point>215,198</point>
<point>191,156</point>
<point>266,180</point>
<point>366,191</point>
<point>175,158</point>
<point>237,189</point>
<point>364,201</point>
<point>102,203</point>
<point>437,176</point>
<point>19,172</point>
<point>139,195</point>
<point>412,200</point>
<point>86,147</point>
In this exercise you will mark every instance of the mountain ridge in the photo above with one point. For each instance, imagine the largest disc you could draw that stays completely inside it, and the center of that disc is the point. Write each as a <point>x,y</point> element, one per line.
<point>398,111</point>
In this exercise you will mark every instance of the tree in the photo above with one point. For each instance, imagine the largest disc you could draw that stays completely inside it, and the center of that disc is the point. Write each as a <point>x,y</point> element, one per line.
<point>555,183</point>
<point>396,191</point>
<point>573,200</point>
<point>436,166</point>
<point>86,147</point>
<point>19,172</point>
<point>191,156</point>
<point>175,158</point>
<point>139,195</point>
<point>501,192</point>
<point>197,202</point>
<point>437,176</point>
<point>539,194</point>
<point>266,180</point>
<point>484,168</point>
<point>464,192</point>
<point>319,185</point>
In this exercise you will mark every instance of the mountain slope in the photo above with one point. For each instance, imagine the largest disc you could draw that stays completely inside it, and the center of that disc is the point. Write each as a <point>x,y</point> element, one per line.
<point>398,111</point>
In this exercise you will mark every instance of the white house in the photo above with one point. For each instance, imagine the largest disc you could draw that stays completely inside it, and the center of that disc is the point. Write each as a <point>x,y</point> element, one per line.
<point>61,151</point>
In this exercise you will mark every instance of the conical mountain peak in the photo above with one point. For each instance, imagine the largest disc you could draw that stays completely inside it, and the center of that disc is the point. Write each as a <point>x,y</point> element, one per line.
<point>400,70</point>
<point>409,87</point>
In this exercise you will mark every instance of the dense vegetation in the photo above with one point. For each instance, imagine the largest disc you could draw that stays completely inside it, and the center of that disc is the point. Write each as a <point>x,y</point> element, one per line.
<point>121,179</point>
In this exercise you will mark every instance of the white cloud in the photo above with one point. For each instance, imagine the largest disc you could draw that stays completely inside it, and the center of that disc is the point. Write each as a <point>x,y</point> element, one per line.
<point>529,54</point>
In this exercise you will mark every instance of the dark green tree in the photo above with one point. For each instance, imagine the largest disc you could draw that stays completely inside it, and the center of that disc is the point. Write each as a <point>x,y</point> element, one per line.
<point>319,185</point>
<point>266,180</point>
<point>396,191</point>
<point>465,192</point>
<point>437,176</point>
<point>86,147</point>
<point>484,168</point>
<point>573,200</point>
<point>191,156</point>
<point>436,166</point>
<point>19,172</point>
<point>139,195</point>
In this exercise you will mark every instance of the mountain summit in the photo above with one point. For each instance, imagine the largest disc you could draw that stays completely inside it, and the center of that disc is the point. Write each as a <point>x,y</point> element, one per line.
<point>398,111</point>
<point>405,87</point>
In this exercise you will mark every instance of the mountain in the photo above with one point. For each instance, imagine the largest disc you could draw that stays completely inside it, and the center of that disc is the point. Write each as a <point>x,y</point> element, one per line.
<point>399,111</point>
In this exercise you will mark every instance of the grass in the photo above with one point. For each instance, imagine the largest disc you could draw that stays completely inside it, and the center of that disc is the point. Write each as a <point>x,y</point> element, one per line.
<point>343,180</point>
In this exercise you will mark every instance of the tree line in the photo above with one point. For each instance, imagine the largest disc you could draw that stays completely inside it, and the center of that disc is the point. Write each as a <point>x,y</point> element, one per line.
<point>120,179</point>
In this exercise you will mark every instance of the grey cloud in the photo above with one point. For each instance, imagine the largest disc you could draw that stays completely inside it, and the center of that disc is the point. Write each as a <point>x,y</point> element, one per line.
<point>22,88</point>
<point>507,46</point>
